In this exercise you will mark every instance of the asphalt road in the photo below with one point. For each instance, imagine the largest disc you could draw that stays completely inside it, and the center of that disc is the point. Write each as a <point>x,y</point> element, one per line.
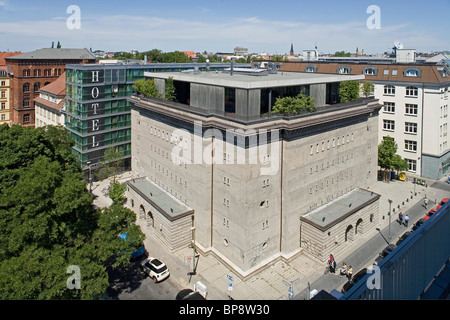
<point>129,283</point>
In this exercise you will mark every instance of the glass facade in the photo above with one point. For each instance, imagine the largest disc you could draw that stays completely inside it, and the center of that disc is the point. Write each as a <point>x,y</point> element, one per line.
<point>97,111</point>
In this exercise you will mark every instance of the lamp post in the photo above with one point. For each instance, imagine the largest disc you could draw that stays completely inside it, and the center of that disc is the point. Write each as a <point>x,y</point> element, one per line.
<point>195,252</point>
<point>90,179</point>
<point>389,233</point>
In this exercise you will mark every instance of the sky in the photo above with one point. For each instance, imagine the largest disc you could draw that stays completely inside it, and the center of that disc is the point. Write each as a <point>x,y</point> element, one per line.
<point>222,25</point>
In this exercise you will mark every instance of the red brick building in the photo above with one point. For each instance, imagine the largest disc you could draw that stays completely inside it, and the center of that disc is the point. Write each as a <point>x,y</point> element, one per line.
<point>33,70</point>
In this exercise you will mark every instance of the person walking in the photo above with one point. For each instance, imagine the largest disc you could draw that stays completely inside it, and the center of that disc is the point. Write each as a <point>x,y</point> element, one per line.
<point>406,220</point>
<point>343,270</point>
<point>425,201</point>
<point>350,274</point>
<point>400,218</point>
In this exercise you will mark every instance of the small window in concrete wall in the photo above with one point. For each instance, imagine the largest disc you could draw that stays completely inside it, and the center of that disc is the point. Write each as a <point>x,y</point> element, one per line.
<point>230,100</point>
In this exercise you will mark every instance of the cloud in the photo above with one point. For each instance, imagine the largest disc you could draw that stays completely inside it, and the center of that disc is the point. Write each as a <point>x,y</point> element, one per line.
<point>126,32</point>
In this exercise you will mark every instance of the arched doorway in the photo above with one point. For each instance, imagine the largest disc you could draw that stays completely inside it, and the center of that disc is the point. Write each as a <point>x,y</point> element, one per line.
<point>150,220</point>
<point>349,233</point>
<point>141,212</point>
<point>359,228</point>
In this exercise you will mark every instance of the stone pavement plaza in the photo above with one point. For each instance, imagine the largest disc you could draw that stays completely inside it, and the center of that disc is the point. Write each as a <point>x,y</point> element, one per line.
<point>271,282</point>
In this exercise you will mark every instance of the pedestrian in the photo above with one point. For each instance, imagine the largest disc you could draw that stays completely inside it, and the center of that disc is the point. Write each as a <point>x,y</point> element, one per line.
<point>406,220</point>
<point>333,267</point>
<point>350,274</point>
<point>400,218</point>
<point>343,270</point>
<point>425,201</point>
<point>331,264</point>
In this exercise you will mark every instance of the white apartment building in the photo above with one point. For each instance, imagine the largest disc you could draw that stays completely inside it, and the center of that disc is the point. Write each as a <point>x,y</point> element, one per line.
<point>415,98</point>
<point>50,103</point>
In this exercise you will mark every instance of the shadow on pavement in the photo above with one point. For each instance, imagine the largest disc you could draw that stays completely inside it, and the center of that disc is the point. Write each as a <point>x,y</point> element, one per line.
<point>124,279</point>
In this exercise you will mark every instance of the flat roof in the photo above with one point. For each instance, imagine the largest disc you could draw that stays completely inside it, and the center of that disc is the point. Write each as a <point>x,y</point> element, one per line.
<point>168,205</point>
<point>252,81</point>
<point>55,54</point>
<point>339,209</point>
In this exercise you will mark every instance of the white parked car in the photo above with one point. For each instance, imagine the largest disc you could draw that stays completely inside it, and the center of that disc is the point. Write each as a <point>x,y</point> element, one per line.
<point>155,269</point>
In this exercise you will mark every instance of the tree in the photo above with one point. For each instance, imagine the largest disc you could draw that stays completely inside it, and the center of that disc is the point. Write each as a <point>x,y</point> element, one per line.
<point>170,90</point>
<point>111,165</point>
<point>117,193</point>
<point>147,88</point>
<point>368,88</point>
<point>58,45</point>
<point>342,54</point>
<point>387,157</point>
<point>48,222</point>
<point>349,91</point>
<point>291,106</point>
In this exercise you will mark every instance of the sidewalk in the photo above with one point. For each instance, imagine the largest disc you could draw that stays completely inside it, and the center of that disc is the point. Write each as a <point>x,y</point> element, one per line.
<point>270,283</point>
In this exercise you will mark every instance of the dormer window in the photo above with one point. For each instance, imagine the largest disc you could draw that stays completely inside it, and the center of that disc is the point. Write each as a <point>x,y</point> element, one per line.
<point>412,72</point>
<point>311,68</point>
<point>370,71</point>
<point>343,70</point>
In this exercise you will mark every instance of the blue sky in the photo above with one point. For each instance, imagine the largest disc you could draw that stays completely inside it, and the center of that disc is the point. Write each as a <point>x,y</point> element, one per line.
<point>221,25</point>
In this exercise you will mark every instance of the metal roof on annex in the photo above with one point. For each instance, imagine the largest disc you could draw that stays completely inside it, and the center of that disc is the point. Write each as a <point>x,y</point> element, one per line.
<point>168,205</point>
<point>341,208</point>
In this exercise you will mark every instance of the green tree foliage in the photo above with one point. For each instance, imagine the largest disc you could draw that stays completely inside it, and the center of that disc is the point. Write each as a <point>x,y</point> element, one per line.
<point>291,106</point>
<point>388,159</point>
<point>349,91</point>
<point>170,90</point>
<point>147,88</point>
<point>111,165</point>
<point>342,54</point>
<point>117,193</point>
<point>48,223</point>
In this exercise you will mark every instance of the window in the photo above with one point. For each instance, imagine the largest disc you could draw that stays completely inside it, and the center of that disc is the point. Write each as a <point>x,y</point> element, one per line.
<point>412,72</point>
<point>412,165</point>
<point>311,68</point>
<point>3,84</point>
<point>26,72</point>
<point>37,86</point>
<point>389,107</point>
<point>394,72</point>
<point>26,102</point>
<point>344,70</point>
<point>389,89</point>
<point>410,145</point>
<point>26,87</point>
<point>3,105</point>
<point>411,127</point>
<point>26,118</point>
<point>412,91</point>
<point>370,71</point>
<point>386,72</point>
<point>411,109</point>
<point>3,117</point>
<point>37,72</point>
<point>388,125</point>
<point>3,94</point>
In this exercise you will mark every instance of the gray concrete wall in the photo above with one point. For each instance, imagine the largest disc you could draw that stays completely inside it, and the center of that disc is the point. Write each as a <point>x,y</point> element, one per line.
<point>161,86</point>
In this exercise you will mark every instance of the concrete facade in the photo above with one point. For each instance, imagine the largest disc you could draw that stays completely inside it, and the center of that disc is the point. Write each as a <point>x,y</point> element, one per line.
<point>248,193</point>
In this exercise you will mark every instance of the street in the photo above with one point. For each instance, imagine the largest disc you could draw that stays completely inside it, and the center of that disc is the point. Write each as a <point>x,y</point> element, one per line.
<point>129,283</point>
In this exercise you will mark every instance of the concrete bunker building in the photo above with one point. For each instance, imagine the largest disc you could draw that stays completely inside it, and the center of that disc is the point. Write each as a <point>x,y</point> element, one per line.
<point>253,182</point>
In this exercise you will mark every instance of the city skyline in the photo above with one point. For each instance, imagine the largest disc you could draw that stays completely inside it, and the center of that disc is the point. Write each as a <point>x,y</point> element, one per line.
<point>223,25</point>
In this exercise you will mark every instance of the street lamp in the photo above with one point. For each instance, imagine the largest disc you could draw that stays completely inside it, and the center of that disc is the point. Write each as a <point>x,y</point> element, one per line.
<point>389,234</point>
<point>90,179</point>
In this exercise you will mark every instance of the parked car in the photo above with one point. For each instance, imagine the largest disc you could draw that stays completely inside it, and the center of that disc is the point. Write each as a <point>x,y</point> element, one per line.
<point>430,213</point>
<point>155,269</point>
<point>358,276</point>
<point>188,294</point>
<point>418,224</point>
<point>384,253</point>
<point>441,204</point>
<point>403,237</point>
